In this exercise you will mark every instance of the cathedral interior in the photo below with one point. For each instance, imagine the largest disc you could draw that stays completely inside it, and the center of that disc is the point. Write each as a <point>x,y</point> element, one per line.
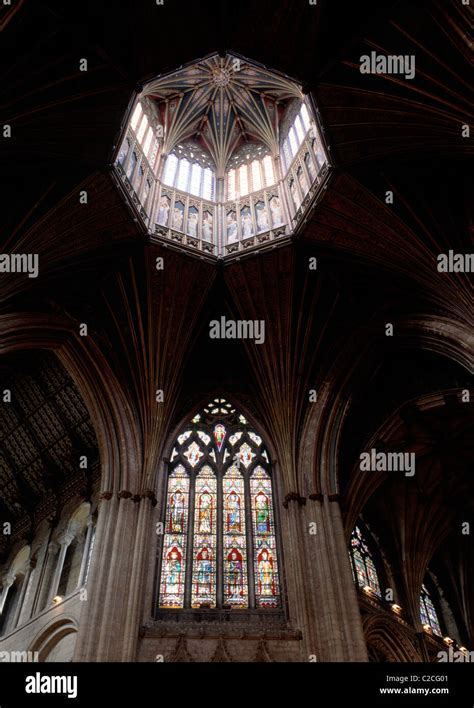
<point>238,296</point>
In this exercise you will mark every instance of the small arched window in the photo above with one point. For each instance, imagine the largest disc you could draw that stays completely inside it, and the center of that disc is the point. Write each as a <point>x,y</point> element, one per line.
<point>362,563</point>
<point>428,614</point>
<point>189,176</point>
<point>251,176</point>
<point>219,545</point>
<point>76,559</point>
<point>10,605</point>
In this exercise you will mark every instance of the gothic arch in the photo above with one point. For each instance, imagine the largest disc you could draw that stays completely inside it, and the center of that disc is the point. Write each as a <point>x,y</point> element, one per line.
<point>388,637</point>
<point>216,449</point>
<point>239,404</point>
<point>318,460</point>
<point>52,634</point>
<point>109,409</point>
<point>360,487</point>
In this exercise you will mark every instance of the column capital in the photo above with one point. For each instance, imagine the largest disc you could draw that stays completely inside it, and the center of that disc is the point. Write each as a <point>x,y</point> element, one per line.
<point>294,496</point>
<point>126,494</point>
<point>316,497</point>
<point>66,538</point>
<point>8,579</point>
<point>53,546</point>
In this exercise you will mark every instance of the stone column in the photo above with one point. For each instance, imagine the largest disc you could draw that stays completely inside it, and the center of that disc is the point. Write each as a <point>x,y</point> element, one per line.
<point>219,217</point>
<point>64,542</point>
<point>145,543</point>
<point>87,548</point>
<point>46,576</point>
<point>336,624</point>
<point>21,600</point>
<point>8,581</point>
<point>297,576</point>
<point>108,629</point>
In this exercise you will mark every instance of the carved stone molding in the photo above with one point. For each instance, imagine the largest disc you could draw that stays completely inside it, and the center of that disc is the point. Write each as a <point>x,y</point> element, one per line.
<point>221,655</point>
<point>181,653</point>
<point>294,496</point>
<point>149,494</point>
<point>316,497</point>
<point>262,655</point>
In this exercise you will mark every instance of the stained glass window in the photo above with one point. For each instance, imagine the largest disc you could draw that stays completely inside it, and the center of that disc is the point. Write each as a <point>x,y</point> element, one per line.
<point>189,177</point>
<point>219,435</point>
<point>305,117</point>
<point>195,183</point>
<point>147,141</point>
<point>235,540</point>
<point>208,184</point>
<point>428,614</point>
<point>300,131</point>
<point>170,169</point>
<point>175,539</point>
<point>245,454</point>
<point>182,181</point>
<point>193,454</point>
<point>124,151</point>
<point>296,136</point>
<point>231,192</point>
<point>235,437</point>
<point>265,554</point>
<point>137,113</point>
<point>154,153</point>
<point>204,437</point>
<point>131,164</point>
<point>204,545</point>
<point>293,140</point>
<point>268,170</point>
<point>243,179</point>
<point>219,544</point>
<point>256,178</point>
<point>142,129</point>
<point>287,153</point>
<point>250,177</point>
<point>363,567</point>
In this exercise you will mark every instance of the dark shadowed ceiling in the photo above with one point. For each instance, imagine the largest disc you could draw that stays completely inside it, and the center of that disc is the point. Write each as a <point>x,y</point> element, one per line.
<point>376,261</point>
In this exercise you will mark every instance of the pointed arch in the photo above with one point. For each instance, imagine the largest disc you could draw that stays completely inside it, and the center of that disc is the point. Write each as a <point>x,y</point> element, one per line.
<point>428,615</point>
<point>364,571</point>
<point>220,546</point>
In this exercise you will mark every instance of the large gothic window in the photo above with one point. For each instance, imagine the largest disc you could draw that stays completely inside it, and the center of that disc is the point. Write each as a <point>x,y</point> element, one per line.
<point>362,563</point>
<point>219,542</point>
<point>428,614</point>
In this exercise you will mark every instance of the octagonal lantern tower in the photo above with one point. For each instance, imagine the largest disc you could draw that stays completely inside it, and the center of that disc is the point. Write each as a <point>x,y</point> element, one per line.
<point>221,156</point>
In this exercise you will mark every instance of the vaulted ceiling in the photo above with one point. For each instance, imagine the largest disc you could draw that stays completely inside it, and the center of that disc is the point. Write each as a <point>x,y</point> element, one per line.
<point>376,261</point>
<point>44,430</point>
<point>222,102</point>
